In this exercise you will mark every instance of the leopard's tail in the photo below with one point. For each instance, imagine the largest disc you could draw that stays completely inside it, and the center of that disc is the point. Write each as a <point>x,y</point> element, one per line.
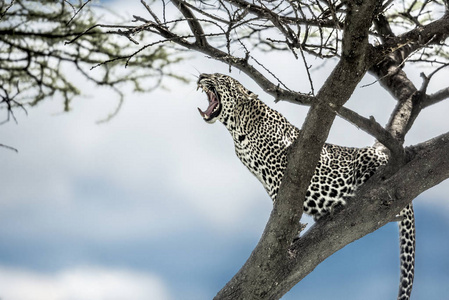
<point>407,252</point>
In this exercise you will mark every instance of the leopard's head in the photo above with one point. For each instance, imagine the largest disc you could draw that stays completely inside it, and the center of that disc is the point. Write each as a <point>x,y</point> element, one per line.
<point>225,95</point>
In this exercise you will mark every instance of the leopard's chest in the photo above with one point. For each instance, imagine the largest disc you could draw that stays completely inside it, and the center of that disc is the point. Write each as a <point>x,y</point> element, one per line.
<point>264,158</point>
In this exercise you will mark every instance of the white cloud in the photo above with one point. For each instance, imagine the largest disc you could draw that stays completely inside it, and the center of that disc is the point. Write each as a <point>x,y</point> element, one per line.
<point>171,167</point>
<point>83,283</point>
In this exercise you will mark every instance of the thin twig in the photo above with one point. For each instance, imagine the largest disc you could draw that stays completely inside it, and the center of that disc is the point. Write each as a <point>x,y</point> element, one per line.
<point>151,12</point>
<point>7,8</point>
<point>427,78</point>
<point>77,12</point>
<point>9,148</point>
<point>309,76</point>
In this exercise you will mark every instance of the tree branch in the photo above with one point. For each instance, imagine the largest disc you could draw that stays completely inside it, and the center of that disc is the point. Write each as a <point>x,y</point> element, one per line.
<point>373,128</point>
<point>263,12</point>
<point>395,81</point>
<point>240,63</point>
<point>436,97</point>
<point>194,24</point>
<point>432,33</point>
<point>439,95</point>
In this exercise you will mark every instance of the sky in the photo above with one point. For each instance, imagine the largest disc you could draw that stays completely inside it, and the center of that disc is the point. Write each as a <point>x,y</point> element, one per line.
<point>154,204</point>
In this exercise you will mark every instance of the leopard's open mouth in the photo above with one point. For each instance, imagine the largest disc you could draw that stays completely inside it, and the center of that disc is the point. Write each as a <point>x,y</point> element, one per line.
<point>214,108</point>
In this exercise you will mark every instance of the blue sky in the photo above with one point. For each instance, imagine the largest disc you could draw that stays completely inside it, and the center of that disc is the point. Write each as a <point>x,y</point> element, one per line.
<point>155,205</point>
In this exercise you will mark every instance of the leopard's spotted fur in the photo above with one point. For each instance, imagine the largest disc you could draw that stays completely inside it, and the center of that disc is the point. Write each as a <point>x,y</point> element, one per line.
<point>261,136</point>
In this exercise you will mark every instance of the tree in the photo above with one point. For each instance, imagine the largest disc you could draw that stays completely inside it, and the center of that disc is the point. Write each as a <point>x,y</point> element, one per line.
<point>35,59</point>
<point>361,36</point>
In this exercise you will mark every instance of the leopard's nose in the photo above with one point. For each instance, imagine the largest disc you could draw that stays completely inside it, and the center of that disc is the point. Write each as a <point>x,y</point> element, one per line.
<point>202,76</point>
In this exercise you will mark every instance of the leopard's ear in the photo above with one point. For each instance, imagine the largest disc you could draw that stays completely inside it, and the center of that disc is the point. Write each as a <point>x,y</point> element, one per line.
<point>247,93</point>
<point>252,95</point>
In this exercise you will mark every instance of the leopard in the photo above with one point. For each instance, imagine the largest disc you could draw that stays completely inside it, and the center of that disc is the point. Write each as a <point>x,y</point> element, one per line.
<point>262,137</point>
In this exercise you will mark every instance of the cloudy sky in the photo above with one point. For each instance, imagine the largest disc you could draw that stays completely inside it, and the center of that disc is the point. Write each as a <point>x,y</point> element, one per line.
<point>155,205</point>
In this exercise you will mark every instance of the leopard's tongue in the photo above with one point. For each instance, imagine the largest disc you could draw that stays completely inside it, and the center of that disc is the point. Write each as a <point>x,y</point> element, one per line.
<point>213,103</point>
